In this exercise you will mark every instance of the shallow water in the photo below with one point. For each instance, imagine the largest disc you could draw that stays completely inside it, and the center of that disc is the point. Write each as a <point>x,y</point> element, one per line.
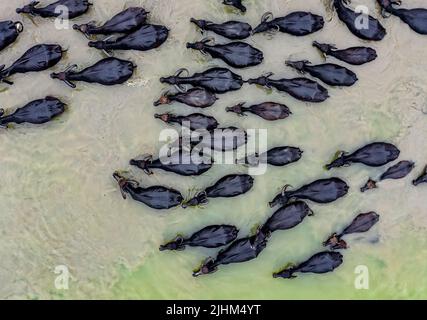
<point>60,206</point>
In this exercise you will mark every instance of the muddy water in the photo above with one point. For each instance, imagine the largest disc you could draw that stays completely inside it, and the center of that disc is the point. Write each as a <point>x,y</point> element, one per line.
<point>60,206</point>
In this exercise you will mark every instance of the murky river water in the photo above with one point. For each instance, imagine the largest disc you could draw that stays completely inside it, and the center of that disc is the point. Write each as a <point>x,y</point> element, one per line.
<point>60,206</point>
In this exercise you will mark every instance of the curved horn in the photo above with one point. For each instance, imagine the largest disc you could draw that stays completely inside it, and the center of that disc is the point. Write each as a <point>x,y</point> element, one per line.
<point>181,88</point>
<point>208,39</point>
<point>180,71</point>
<point>267,16</point>
<point>19,26</point>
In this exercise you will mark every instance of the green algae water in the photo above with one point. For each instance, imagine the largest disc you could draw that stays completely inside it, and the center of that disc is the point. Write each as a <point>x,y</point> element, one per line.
<point>59,205</point>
